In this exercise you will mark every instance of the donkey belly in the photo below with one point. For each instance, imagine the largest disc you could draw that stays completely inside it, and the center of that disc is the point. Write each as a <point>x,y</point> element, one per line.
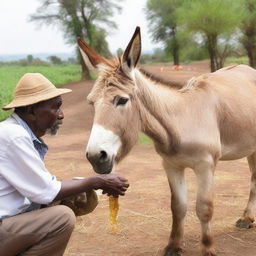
<point>238,132</point>
<point>238,150</point>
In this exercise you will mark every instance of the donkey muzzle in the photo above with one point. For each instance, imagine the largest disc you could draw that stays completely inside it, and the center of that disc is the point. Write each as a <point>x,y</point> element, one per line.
<point>100,161</point>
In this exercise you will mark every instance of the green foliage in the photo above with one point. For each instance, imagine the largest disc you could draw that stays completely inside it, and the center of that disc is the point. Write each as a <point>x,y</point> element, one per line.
<point>216,20</point>
<point>248,10</point>
<point>80,18</point>
<point>119,52</point>
<point>28,61</point>
<point>157,56</point>
<point>10,75</point>
<point>194,51</point>
<point>55,60</point>
<point>86,19</point>
<point>144,139</point>
<point>211,17</point>
<point>198,29</point>
<point>162,18</point>
<point>237,60</point>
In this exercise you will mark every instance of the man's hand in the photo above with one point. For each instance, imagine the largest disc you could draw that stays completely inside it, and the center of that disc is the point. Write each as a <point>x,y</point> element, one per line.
<point>112,184</point>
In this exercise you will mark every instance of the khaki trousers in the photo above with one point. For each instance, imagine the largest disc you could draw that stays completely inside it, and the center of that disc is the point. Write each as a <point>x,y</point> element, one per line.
<point>43,232</point>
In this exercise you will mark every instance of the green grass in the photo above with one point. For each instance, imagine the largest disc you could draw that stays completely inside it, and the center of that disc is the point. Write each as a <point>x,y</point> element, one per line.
<point>234,60</point>
<point>144,139</point>
<point>10,75</point>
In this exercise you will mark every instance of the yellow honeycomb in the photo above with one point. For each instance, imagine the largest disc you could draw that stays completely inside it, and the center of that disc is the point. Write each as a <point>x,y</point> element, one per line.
<point>113,211</point>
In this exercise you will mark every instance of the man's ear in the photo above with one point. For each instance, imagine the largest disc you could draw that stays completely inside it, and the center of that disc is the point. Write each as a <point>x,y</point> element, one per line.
<point>91,58</point>
<point>132,52</point>
<point>30,112</point>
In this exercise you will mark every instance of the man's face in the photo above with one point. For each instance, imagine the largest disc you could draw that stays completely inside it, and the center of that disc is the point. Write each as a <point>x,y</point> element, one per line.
<point>48,116</point>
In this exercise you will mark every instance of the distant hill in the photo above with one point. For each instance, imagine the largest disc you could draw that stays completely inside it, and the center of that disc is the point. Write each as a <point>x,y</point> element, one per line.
<point>42,56</point>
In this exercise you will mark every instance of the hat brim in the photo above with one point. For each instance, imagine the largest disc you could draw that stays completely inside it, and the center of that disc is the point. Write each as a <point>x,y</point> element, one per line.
<point>26,101</point>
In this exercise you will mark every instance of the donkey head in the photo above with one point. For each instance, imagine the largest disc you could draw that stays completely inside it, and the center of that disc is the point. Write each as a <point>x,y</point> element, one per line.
<point>116,121</point>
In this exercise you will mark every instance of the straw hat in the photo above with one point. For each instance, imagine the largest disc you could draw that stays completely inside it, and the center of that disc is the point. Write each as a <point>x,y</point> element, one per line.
<point>33,88</point>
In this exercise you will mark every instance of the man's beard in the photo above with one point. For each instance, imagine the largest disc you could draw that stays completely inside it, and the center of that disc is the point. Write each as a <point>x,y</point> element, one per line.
<point>53,130</point>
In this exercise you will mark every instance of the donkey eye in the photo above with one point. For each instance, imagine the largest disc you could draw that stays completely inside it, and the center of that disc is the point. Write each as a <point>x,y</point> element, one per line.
<point>122,101</point>
<point>110,84</point>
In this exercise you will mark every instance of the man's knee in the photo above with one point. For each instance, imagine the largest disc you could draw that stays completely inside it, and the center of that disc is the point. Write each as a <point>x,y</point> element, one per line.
<point>50,227</point>
<point>65,215</point>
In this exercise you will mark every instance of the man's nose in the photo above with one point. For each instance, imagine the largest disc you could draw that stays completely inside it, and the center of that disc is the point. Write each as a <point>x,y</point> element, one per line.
<point>60,114</point>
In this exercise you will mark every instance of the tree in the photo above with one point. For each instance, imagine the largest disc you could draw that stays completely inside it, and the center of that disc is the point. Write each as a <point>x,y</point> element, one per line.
<point>248,29</point>
<point>162,18</point>
<point>55,60</point>
<point>119,52</point>
<point>215,20</point>
<point>80,18</point>
<point>30,59</point>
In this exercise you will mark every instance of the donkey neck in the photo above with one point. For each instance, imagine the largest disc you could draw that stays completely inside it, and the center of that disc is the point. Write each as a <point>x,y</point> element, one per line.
<point>158,106</point>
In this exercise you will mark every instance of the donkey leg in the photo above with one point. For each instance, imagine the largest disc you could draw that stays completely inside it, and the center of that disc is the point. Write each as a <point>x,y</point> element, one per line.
<point>179,207</point>
<point>204,205</point>
<point>248,217</point>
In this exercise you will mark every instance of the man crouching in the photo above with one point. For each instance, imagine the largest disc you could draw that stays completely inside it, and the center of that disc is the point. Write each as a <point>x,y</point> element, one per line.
<point>27,227</point>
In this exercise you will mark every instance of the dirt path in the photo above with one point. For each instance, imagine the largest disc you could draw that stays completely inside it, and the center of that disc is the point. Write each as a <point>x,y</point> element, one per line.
<point>144,215</point>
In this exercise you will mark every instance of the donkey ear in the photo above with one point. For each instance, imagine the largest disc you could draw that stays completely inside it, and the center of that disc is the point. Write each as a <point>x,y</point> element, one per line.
<point>90,57</point>
<point>132,52</point>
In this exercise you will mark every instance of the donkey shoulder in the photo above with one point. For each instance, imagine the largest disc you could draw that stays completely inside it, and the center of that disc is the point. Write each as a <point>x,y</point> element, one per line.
<point>231,76</point>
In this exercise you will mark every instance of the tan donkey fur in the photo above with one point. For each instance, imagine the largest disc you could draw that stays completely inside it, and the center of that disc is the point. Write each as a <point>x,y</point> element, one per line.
<point>211,118</point>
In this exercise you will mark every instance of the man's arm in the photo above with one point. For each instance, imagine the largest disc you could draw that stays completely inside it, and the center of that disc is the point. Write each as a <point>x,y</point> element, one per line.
<point>111,184</point>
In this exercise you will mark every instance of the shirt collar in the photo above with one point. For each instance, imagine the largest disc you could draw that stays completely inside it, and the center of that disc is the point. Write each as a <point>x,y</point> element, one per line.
<point>27,128</point>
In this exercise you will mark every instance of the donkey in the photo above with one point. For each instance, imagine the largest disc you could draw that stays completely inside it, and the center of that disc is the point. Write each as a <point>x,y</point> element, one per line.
<point>211,118</point>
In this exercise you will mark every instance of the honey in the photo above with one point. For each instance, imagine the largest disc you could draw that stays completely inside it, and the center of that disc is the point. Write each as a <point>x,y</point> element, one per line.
<point>113,211</point>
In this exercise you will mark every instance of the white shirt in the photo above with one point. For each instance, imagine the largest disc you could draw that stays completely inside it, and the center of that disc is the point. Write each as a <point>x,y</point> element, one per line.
<point>24,179</point>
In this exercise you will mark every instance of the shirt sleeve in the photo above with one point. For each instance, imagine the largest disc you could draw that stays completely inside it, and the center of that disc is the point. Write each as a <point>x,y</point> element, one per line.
<point>22,167</point>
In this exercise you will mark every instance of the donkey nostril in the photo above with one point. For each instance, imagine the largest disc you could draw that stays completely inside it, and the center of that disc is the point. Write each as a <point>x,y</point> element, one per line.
<point>103,155</point>
<point>87,155</point>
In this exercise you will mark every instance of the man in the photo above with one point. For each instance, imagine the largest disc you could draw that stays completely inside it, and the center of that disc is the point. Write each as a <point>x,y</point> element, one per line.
<point>26,226</point>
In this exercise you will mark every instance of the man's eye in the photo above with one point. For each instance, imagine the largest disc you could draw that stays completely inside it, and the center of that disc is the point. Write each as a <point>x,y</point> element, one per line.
<point>122,101</point>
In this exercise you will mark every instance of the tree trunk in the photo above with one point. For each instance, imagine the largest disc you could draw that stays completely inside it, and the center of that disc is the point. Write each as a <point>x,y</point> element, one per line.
<point>212,50</point>
<point>175,52</point>
<point>78,32</point>
<point>251,55</point>
<point>222,55</point>
<point>249,30</point>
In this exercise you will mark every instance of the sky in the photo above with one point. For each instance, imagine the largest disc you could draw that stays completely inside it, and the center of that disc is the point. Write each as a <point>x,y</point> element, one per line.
<point>19,36</point>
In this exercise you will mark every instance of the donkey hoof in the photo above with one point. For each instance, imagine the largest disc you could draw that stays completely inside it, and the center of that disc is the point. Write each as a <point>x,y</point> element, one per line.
<point>172,251</point>
<point>208,252</point>
<point>244,223</point>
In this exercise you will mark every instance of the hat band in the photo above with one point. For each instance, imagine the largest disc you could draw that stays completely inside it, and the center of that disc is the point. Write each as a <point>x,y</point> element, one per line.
<point>33,91</point>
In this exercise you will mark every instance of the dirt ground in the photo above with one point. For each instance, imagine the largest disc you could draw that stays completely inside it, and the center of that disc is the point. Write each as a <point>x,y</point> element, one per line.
<point>144,220</point>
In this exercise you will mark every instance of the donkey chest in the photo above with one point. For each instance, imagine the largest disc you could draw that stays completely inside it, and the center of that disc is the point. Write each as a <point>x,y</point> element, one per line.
<point>190,153</point>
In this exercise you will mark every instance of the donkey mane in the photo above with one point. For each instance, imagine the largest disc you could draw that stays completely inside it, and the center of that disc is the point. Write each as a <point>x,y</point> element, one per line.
<point>115,65</point>
<point>171,84</point>
<point>182,87</point>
